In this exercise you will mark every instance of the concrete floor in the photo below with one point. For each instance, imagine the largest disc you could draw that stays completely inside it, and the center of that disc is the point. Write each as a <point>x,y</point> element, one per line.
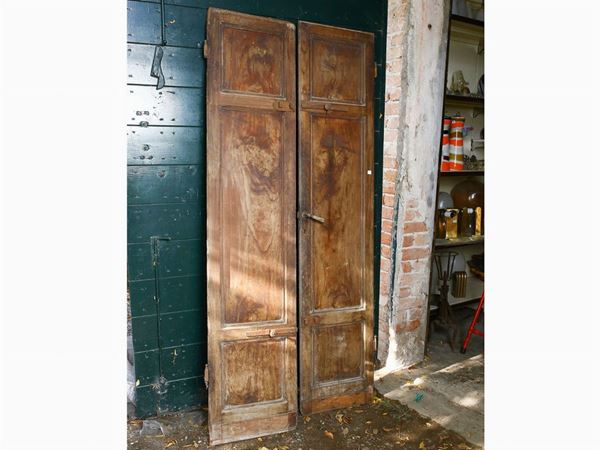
<point>447,387</point>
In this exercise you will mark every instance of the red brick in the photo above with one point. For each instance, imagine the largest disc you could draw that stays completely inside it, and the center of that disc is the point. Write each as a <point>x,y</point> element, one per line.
<point>412,302</point>
<point>388,200</point>
<point>386,225</point>
<point>392,108</point>
<point>386,251</point>
<point>389,162</point>
<point>385,264</point>
<point>408,240</point>
<point>392,122</point>
<point>404,292</point>
<point>390,135</point>
<point>414,227</point>
<point>405,327</point>
<point>413,203</point>
<point>406,267</point>
<point>415,253</point>
<point>386,238</point>
<point>422,239</point>
<point>390,175</point>
<point>412,214</point>
<point>387,212</point>
<point>389,188</point>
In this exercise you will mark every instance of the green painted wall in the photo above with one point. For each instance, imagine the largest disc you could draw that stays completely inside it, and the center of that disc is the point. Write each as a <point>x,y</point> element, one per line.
<point>166,182</point>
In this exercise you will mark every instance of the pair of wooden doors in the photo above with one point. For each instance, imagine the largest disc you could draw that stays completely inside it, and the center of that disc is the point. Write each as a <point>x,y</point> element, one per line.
<point>256,231</point>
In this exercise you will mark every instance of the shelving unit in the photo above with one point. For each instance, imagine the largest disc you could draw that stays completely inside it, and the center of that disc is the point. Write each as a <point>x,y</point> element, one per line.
<point>465,53</point>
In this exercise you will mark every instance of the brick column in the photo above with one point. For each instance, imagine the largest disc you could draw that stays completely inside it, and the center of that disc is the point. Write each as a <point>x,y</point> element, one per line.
<point>415,69</point>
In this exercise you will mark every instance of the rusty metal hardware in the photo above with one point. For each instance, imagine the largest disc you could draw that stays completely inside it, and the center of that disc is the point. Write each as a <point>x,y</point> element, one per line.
<point>206,379</point>
<point>330,107</point>
<point>273,332</point>
<point>313,217</point>
<point>281,105</point>
<point>156,69</point>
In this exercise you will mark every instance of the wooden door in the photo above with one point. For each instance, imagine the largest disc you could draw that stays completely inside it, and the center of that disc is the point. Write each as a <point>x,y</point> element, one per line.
<point>336,71</point>
<point>251,226</point>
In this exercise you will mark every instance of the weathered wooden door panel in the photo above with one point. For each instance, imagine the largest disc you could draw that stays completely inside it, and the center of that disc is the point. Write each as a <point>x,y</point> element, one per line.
<point>251,226</point>
<point>336,217</point>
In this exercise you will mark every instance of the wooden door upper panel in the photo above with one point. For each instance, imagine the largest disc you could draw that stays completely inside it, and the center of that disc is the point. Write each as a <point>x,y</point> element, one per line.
<point>336,64</point>
<point>333,71</point>
<point>337,162</point>
<point>254,61</point>
<point>253,215</point>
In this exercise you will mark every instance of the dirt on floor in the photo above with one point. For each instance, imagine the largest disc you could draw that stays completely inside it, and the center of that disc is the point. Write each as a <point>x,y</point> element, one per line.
<point>382,424</point>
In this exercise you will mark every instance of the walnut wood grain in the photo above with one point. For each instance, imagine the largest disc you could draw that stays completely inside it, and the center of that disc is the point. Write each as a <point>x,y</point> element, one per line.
<point>336,184</point>
<point>251,225</point>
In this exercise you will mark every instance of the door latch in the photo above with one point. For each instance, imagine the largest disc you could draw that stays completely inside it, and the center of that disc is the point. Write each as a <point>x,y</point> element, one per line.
<point>273,332</point>
<point>313,217</point>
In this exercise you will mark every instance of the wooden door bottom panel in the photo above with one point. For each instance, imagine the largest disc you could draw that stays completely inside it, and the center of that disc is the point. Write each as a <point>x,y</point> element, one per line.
<point>250,429</point>
<point>338,402</point>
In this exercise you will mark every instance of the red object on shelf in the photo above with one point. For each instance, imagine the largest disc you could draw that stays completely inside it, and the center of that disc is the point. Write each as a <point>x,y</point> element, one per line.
<point>472,329</point>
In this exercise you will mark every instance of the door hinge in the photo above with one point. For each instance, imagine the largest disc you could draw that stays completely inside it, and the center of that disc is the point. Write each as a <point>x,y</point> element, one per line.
<point>205,48</point>
<point>374,72</point>
<point>206,376</point>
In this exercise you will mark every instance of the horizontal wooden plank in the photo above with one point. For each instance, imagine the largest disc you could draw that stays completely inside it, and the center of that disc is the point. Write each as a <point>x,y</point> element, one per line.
<point>141,295</point>
<point>146,367</point>
<point>139,262</point>
<point>176,258</point>
<point>180,66</point>
<point>185,26</point>
<point>184,361</point>
<point>184,327</point>
<point>177,221</point>
<point>143,22</point>
<point>176,294</point>
<point>145,333</point>
<point>183,293</point>
<point>165,145</point>
<point>163,184</point>
<point>183,394</point>
<point>168,106</point>
<point>179,258</point>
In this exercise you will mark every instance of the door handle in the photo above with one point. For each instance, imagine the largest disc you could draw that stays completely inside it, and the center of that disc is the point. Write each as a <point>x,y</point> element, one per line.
<point>313,217</point>
<point>283,106</point>
<point>329,107</point>
<point>273,332</point>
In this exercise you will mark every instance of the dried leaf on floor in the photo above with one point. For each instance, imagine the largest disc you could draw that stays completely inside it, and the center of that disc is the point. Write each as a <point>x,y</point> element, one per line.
<point>329,434</point>
<point>422,444</point>
<point>306,419</point>
<point>171,443</point>
<point>387,429</point>
<point>345,431</point>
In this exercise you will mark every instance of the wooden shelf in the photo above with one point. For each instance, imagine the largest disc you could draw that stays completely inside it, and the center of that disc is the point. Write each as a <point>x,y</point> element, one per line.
<point>459,242</point>
<point>464,100</point>
<point>467,20</point>
<point>462,173</point>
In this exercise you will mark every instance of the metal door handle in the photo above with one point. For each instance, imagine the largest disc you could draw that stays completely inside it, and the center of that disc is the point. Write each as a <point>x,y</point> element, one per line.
<point>273,332</point>
<point>313,217</point>
<point>330,107</point>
